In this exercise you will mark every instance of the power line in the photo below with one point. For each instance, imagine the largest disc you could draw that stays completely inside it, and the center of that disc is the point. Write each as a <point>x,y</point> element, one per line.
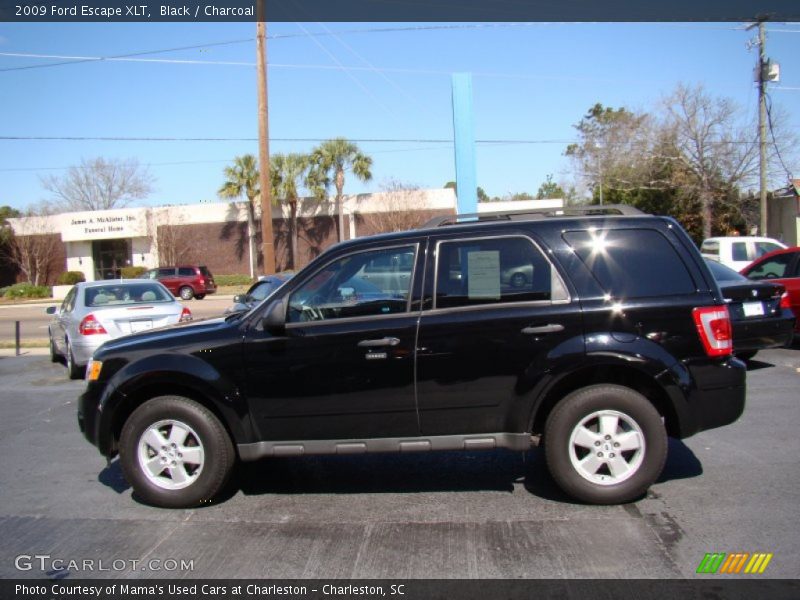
<point>130,55</point>
<point>772,135</point>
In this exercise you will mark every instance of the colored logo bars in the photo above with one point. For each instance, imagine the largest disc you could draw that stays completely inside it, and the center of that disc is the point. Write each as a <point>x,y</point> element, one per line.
<point>734,563</point>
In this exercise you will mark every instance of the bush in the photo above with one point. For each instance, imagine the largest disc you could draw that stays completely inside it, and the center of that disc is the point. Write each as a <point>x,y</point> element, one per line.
<point>71,278</point>
<point>27,290</point>
<point>224,280</point>
<point>132,272</point>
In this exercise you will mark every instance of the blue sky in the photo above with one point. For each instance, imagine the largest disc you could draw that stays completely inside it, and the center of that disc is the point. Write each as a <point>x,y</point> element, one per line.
<point>531,81</point>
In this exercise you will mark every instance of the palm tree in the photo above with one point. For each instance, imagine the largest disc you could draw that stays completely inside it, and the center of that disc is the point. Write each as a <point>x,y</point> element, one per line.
<point>287,173</point>
<point>242,179</point>
<point>331,159</point>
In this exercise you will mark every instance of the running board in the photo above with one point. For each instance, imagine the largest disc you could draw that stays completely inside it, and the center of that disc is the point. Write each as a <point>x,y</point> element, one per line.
<point>487,441</point>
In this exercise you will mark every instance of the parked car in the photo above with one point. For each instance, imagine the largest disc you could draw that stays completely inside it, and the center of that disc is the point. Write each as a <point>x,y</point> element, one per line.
<point>737,252</point>
<point>95,312</point>
<point>759,311</point>
<point>262,288</point>
<point>623,339</point>
<point>780,266</point>
<point>186,281</point>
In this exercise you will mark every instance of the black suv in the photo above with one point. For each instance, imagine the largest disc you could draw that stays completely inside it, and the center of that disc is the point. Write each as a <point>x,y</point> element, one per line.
<point>615,337</point>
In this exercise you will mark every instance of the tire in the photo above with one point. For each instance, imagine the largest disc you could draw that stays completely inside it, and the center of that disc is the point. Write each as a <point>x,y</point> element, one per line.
<point>747,355</point>
<point>54,356</point>
<point>518,280</point>
<point>186,293</point>
<point>190,482</point>
<point>574,429</point>
<point>73,371</point>
<point>199,296</point>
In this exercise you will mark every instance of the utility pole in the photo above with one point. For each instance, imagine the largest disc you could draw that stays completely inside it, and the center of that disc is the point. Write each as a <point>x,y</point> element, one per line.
<point>267,239</point>
<point>762,127</point>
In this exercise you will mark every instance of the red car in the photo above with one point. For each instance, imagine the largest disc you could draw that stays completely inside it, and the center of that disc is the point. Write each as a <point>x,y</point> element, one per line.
<point>185,281</point>
<point>780,266</point>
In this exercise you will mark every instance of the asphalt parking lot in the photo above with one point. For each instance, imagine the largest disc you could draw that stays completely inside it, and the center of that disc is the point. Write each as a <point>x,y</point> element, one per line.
<point>449,515</point>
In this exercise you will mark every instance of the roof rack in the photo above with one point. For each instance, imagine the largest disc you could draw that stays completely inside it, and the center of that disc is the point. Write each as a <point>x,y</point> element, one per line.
<point>534,213</point>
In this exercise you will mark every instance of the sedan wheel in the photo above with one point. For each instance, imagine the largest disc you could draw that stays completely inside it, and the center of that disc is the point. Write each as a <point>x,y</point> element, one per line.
<point>73,371</point>
<point>54,357</point>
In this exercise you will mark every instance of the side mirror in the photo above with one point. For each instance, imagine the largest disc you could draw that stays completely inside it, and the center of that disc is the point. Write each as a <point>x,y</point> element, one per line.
<point>274,320</point>
<point>239,299</point>
<point>51,310</point>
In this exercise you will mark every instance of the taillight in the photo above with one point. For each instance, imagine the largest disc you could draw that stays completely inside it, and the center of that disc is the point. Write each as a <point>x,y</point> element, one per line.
<point>714,328</point>
<point>90,326</point>
<point>186,315</point>
<point>785,300</point>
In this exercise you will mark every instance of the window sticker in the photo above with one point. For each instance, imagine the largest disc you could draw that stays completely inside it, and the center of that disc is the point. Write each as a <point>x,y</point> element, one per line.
<point>483,274</point>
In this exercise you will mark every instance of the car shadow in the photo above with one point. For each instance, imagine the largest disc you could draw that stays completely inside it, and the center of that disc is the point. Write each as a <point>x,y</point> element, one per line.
<point>496,470</point>
<point>113,478</point>
<point>754,365</point>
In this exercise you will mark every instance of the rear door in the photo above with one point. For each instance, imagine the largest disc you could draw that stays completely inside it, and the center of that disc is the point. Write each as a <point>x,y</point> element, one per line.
<point>496,308</point>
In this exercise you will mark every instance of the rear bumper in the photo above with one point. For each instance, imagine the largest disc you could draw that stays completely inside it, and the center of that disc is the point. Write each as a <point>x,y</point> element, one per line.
<point>758,334</point>
<point>82,353</point>
<point>708,393</point>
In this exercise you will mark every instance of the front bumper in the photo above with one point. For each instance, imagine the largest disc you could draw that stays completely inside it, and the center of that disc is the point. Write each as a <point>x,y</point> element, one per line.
<point>89,417</point>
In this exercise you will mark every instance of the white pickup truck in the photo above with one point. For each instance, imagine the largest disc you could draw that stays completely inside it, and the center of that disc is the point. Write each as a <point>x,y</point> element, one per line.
<point>737,252</point>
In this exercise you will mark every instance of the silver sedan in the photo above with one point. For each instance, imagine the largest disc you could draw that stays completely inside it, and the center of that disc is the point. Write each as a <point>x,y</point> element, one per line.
<point>95,312</point>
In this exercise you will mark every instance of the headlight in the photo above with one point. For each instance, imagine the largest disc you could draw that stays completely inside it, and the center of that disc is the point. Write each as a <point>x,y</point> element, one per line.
<point>93,370</point>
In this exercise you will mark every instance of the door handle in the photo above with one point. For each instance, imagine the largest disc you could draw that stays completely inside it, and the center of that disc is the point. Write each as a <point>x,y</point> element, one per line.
<point>549,328</point>
<point>387,341</point>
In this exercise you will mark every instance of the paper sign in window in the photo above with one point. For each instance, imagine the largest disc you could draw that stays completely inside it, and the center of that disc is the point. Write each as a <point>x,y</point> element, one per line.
<point>483,274</point>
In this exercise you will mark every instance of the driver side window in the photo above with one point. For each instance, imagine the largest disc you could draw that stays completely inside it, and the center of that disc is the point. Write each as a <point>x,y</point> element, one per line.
<point>772,268</point>
<point>371,283</point>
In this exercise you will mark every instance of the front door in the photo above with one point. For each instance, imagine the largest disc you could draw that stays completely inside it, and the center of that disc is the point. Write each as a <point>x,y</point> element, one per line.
<point>344,367</point>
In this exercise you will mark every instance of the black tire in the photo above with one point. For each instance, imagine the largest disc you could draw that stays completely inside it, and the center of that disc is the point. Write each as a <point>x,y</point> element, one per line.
<point>646,463</point>
<point>186,293</point>
<point>747,355</point>
<point>199,296</point>
<point>73,371</point>
<point>54,356</point>
<point>211,437</point>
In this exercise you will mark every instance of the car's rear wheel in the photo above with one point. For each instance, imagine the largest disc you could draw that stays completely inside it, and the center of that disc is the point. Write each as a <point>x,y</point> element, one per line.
<point>73,370</point>
<point>175,453</point>
<point>186,293</point>
<point>605,444</point>
<point>199,296</point>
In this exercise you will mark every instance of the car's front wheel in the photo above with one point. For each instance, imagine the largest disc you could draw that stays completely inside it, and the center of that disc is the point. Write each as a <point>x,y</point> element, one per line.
<point>175,453</point>
<point>605,444</point>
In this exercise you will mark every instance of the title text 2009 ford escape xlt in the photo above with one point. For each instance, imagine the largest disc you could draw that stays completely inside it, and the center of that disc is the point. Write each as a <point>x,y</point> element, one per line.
<point>602,334</point>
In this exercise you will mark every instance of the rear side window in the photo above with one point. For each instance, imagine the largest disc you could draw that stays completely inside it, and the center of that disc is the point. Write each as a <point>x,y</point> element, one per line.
<point>632,263</point>
<point>739,251</point>
<point>492,271</point>
<point>186,272</point>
